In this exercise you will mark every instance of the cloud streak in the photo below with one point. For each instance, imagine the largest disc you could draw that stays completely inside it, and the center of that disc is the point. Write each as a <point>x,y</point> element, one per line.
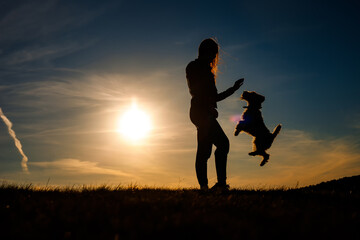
<point>16,141</point>
<point>77,166</point>
<point>32,20</point>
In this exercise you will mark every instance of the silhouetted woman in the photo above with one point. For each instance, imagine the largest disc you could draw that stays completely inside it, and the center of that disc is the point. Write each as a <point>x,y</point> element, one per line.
<point>201,74</point>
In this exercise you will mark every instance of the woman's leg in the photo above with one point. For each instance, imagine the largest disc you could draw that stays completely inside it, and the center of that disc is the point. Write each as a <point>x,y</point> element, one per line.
<point>222,144</point>
<point>203,153</point>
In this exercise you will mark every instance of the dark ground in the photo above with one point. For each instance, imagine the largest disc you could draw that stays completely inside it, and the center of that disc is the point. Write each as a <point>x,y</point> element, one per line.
<point>325,211</point>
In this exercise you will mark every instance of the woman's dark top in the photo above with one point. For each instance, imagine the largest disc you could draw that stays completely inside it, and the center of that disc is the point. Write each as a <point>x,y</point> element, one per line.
<point>201,83</point>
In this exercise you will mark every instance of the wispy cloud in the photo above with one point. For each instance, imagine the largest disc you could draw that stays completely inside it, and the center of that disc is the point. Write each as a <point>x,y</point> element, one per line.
<point>89,88</point>
<point>16,140</point>
<point>31,20</point>
<point>76,166</point>
<point>43,53</point>
<point>38,31</point>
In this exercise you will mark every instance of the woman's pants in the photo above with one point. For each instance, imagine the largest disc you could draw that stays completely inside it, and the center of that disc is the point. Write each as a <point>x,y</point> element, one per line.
<point>209,132</point>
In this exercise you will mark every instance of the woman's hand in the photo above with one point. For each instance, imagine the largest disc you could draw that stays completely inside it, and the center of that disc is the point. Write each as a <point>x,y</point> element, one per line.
<point>238,84</point>
<point>229,91</point>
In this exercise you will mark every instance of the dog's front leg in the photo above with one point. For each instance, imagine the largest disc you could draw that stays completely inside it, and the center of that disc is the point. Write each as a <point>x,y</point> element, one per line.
<point>239,127</point>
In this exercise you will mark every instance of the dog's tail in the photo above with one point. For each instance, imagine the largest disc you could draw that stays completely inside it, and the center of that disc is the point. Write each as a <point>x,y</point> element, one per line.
<point>276,130</point>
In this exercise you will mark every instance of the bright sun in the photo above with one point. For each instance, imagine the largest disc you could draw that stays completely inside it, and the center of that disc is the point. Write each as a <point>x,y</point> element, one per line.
<point>134,124</point>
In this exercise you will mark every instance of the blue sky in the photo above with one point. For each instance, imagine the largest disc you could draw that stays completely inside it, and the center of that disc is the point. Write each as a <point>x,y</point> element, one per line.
<point>70,69</point>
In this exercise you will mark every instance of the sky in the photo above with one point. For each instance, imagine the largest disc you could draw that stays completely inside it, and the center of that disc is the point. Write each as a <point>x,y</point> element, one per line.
<point>70,69</point>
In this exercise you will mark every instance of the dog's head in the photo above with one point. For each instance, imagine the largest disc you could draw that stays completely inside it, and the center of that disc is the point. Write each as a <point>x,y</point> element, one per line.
<point>253,99</point>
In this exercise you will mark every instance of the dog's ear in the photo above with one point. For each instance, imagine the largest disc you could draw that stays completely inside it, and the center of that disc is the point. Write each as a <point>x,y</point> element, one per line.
<point>260,98</point>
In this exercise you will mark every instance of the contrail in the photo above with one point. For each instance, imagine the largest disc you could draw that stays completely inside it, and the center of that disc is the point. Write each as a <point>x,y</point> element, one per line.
<point>17,142</point>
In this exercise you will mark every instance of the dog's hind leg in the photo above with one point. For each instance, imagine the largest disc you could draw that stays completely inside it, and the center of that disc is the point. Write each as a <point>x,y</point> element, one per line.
<point>254,153</point>
<point>266,157</point>
<point>259,149</point>
<point>255,148</point>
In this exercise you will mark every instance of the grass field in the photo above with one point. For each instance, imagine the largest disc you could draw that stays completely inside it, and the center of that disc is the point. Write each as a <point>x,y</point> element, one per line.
<point>325,211</point>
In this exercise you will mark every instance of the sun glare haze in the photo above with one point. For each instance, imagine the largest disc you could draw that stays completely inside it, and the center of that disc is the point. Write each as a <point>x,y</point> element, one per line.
<point>134,124</point>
